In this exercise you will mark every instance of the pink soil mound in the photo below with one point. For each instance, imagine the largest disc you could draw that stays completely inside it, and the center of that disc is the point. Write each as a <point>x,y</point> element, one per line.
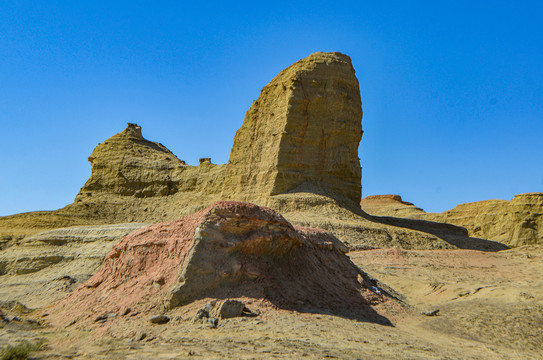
<point>230,249</point>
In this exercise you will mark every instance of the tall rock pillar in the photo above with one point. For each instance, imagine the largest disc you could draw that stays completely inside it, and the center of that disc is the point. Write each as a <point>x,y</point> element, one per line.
<point>301,135</point>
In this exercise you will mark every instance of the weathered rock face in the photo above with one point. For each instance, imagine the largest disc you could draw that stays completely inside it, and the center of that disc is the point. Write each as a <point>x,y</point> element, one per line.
<point>514,223</point>
<point>127,164</point>
<point>230,248</point>
<point>301,135</point>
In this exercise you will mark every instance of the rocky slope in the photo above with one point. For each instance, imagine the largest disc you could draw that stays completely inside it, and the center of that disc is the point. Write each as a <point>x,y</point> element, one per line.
<point>389,205</point>
<point>514,223</point>
<point>46,266</point>
<point>230,249</point>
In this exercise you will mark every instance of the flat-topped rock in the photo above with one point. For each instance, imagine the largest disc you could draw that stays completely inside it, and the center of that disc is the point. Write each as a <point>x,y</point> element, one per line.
<point>388,205</point>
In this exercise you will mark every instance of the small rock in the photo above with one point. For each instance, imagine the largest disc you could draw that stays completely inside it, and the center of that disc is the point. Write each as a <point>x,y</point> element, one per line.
<point>126,312</point>
<point>3,317</point>
<point>202,313</point>
<point>141,337</point>
<point>101,318</point>
<point>70,323</point>
<point>16,318</point>
<point>230,308</point>
<point>430,312</point>
<point>111,315</point>
<point>209,306</point>
<point>213,322</point>
<point>159,319</point>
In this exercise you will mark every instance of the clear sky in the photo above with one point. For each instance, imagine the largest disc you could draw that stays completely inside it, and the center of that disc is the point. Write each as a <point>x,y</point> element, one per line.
<point>452,91</point>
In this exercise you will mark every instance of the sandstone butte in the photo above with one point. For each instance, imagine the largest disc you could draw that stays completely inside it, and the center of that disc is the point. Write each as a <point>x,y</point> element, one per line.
<point>515,223</point>
<point>296,153</point>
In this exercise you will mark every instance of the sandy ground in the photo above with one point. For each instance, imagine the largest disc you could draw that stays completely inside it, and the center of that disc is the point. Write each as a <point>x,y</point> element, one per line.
<point>490,307</point>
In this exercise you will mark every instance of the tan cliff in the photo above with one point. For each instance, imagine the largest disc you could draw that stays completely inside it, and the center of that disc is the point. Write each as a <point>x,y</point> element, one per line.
<point>301,135</point>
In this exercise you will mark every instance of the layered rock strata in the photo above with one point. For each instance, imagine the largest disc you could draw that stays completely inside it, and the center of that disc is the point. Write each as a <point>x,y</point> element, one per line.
<point>301,134</point>
<point>46,266</point>
<point>389,205</point>
<point>129,165</point>
<point>230,248</point>
<point>515,223</point>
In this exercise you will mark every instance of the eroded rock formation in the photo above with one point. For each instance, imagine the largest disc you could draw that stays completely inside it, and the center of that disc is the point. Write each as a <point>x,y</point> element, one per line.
<point>301,135</point>
<point>233,248</point>
<point>46,266</point>
<point>129,165</point>
<point>296,152</point>
<point>514,223</point>
<point>388,205</point>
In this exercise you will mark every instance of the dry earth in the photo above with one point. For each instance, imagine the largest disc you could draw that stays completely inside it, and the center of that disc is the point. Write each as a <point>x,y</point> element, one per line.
<point>491,307</point>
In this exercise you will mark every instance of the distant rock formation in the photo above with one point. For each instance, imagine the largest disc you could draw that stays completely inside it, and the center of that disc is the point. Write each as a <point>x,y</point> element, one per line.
<point>301,135</point>
<point>233,248</point>
<point>514,223</point>
<point>388,205</point>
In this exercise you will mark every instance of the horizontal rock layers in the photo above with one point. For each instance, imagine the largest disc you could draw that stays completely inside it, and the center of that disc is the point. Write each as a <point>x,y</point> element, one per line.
<point>46,266</point>
<point>515,223</point>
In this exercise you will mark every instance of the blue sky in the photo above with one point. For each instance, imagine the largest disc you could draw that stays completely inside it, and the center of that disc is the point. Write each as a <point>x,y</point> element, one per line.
<point>452,91</point>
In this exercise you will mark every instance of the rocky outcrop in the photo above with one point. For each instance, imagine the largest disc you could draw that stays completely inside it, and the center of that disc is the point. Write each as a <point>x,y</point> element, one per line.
<point>129,165</point>
<point>301,135</point>
<point>514,223</point>
<point>229,249</point>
